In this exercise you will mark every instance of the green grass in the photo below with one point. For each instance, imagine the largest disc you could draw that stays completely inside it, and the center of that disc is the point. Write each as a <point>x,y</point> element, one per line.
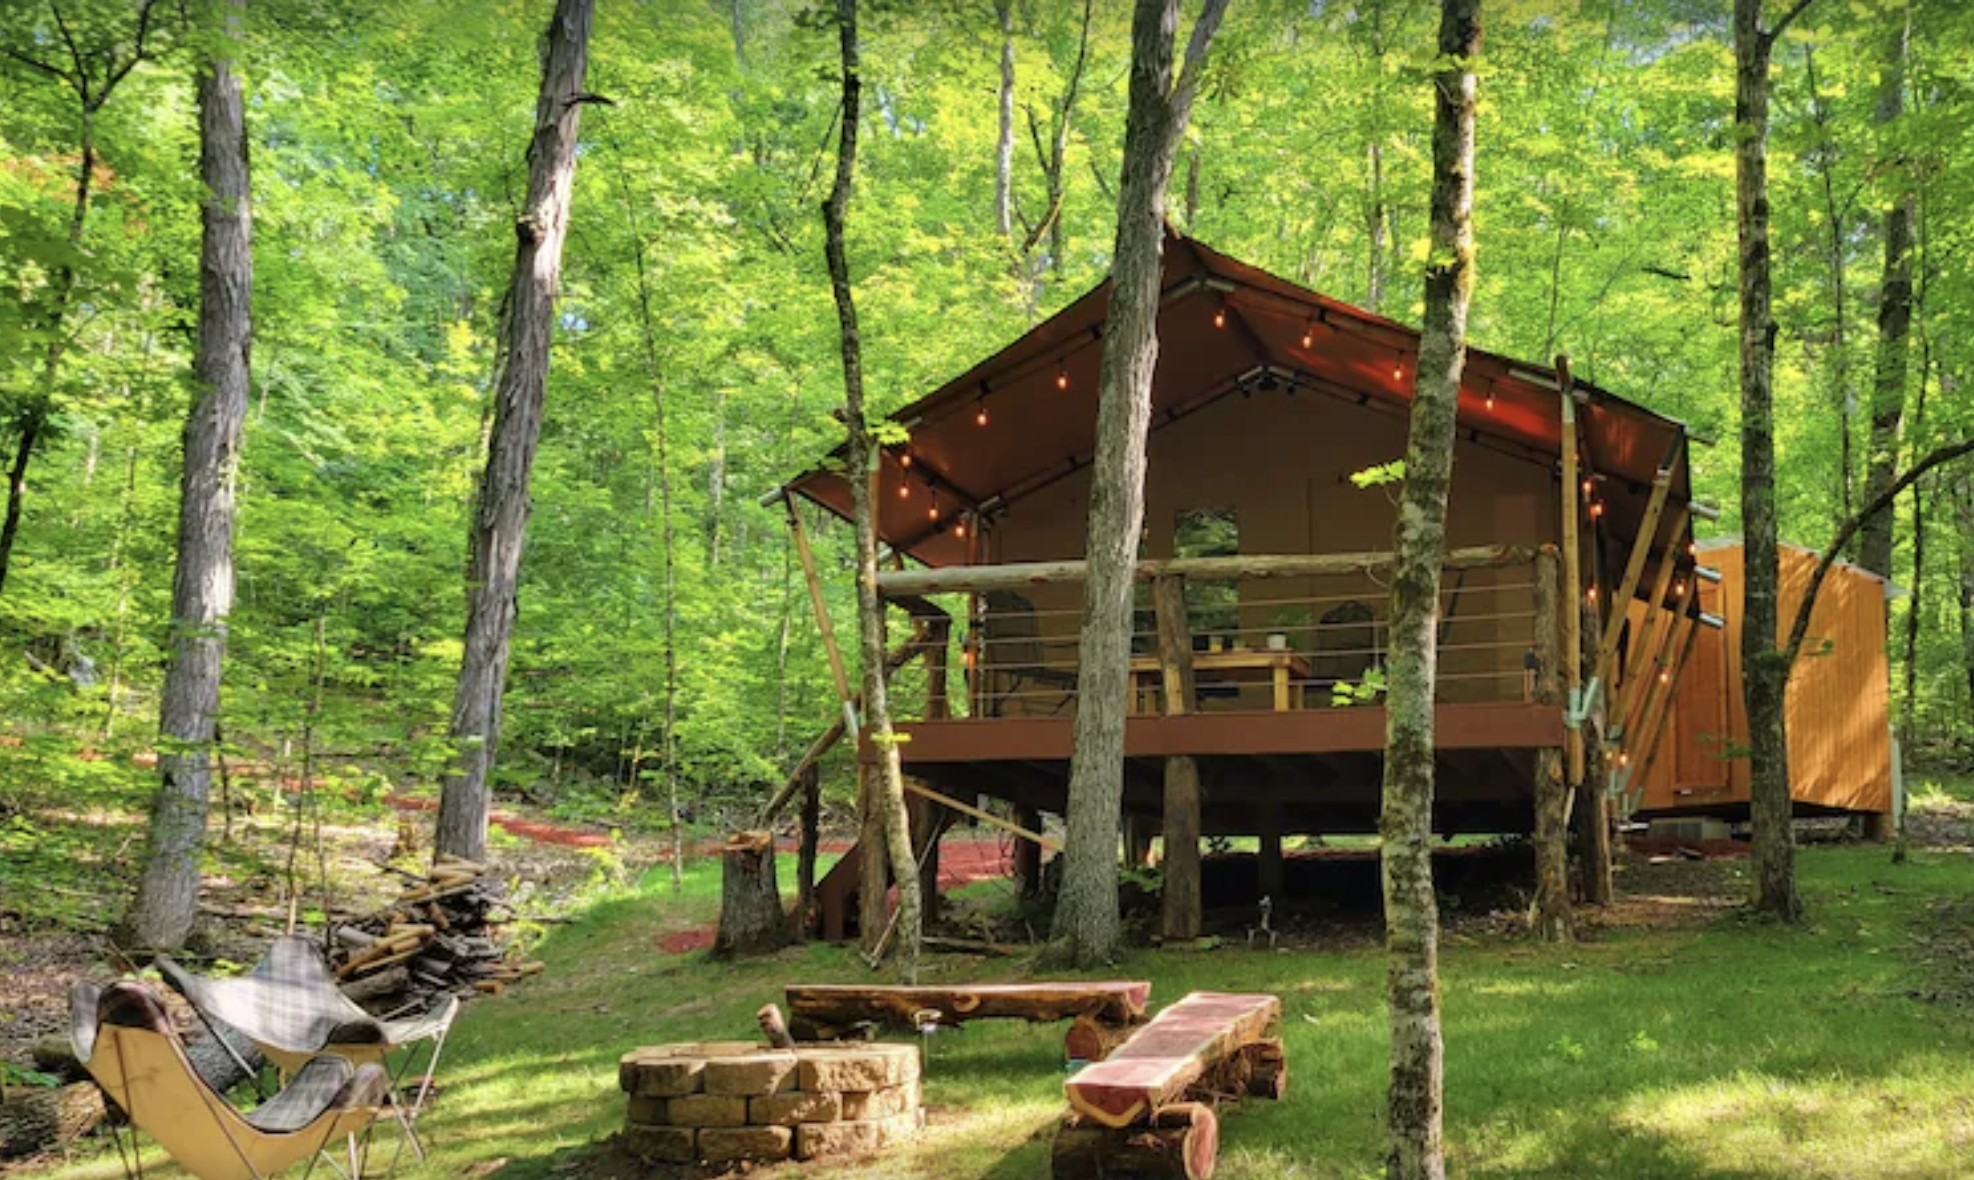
<point>1721,1050</point>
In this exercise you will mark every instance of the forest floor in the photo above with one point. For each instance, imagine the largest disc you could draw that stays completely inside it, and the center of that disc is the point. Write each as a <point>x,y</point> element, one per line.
<point>1677,1039</point>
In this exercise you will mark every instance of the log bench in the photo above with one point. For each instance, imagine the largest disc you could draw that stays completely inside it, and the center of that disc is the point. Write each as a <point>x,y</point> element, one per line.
<point>1147,1109</point>
<point>1103,1014</point>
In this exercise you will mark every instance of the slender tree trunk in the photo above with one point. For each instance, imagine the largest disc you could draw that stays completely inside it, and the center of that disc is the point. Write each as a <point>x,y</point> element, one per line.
<point>1894,315</point>
<point>1086,921</point>
<point>1915,604</point>
<point>885,800</point>
<point>716,480</point>
<point>1765,669</point>
<point>1004,144</point>
<point>500,515</point>
<point>202,590</point>
<point>737,25</point>
<point>1374,282</point>
<point>1845,399</point>
<point>1414,1148</point>
<point>1962,483</point>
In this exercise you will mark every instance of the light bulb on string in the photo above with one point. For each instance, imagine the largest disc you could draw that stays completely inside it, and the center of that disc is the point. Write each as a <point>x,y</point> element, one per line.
<point>905,460</point>
<point>959,528</point>
<point>980,413</point>
<point>1679,588</point>
<point>1490,399</point>
<point>905,490</point>
<point>1309,335</point>
<point>1062,376</point>
<point>1220,315</point>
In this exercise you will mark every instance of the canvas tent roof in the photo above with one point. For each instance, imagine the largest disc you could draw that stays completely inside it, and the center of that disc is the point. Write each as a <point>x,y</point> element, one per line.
<point>1226,328</point>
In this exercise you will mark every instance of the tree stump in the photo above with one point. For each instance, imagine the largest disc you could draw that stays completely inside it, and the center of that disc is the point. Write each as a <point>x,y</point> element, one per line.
<point>1181,1140</point>
<point>751,921</point>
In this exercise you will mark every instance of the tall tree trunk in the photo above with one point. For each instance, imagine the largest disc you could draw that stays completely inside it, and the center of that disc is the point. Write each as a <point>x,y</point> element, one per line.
<point>500,515</point>
<point>1894,314</point>
<point>1962,483</point>
<point>1004,143</point>
<point>716,480</point>
<point>1374,282</point>
<point>668,588</point>
<point>202,590</point>
<point>1086,920</point>
<point>737,25</point>
<point>1915,604</point>
<point>1765,669</point>
<point>886,797</point>
<point>1414,1150</point>
<point>1839,367</point>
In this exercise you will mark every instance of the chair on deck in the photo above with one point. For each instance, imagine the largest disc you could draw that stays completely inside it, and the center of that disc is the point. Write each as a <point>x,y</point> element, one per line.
<point>1014,650</point>
<point>125,1039</point>
<point>291,1009</point>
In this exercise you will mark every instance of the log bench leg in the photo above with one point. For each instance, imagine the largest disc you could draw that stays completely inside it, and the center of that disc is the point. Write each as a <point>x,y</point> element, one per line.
<point>1181,1140</point>
<point>1090,1039</point>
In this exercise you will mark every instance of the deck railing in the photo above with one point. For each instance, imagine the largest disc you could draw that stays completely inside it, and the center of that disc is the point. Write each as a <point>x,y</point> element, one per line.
<point>1285,632</point>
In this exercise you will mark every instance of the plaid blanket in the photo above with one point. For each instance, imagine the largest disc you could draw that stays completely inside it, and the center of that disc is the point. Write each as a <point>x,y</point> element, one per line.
<point>291,1002</point>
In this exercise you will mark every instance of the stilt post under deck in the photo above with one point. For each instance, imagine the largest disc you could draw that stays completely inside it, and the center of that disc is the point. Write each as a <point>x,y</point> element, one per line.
<point>1272,876</point>
<point>1180,900</point>
<point>1027,853</point>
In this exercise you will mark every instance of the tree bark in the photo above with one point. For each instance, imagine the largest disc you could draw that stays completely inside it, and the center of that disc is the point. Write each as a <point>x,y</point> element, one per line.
<point>885,799</point>
<point>1838,354</point>
<point>202,589</point>
<point>1414,1146</point>
<point>1553,920</point>
<point>500,515</point>
<point>1086,930</point>
<point>1963,513</point>
<point>1004,143</point>
<point>751,921</point>
<point>1894,315</point>
<point>1765,669</point>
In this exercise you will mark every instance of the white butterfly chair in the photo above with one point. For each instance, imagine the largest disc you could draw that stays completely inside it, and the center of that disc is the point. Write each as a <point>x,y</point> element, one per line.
<point>291,1009</point>
<point>126,1040</point>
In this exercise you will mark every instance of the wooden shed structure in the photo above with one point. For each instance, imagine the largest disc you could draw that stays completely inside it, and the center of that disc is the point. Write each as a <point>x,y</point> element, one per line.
<point>1839,704</point>
<point>1262,621</point>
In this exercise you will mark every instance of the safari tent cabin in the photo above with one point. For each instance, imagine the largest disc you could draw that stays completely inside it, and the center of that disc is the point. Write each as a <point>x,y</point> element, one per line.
<point>1839,710</point>
<point>1261,626</point>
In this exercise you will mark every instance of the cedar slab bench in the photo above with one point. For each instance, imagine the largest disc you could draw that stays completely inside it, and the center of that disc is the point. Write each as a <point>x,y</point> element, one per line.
<point>1103,1014</point>
<point>1147,1109</point>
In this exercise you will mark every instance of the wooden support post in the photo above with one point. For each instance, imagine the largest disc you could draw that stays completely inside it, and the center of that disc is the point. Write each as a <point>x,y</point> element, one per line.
<point>1028,853</point>
<point>1553,921</point>
<point>1664,688</point>
<point>1634,568</point>
<point>1643,652</point>
<point>1180,903</point>
<point>929,819</point>
<point>805,854</point>
<point>1572,507</point>
<point>1137,841</point>
<point>823,624</point>
<point>1271,877</point>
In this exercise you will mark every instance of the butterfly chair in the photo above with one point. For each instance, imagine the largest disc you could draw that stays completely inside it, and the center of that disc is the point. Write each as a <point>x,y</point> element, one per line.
<point>1015,652</point>
<point>291,1009</point>
<point>126,1040</point>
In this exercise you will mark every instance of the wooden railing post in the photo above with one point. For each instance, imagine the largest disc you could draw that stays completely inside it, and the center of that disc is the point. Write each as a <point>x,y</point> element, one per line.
<point>1553,922</point>
<point>1180,895</point>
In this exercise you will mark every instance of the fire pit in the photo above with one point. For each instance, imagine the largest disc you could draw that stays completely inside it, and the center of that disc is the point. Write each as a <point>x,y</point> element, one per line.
<point>723,1102</point>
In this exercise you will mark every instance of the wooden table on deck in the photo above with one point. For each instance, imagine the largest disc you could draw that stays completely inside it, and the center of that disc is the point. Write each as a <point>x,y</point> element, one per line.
<point>1230,666</point>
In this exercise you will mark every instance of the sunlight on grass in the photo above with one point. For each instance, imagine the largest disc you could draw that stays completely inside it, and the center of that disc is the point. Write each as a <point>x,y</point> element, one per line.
<point>1720,1050</point>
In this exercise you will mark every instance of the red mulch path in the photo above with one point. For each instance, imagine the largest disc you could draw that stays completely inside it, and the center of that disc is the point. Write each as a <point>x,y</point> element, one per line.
<point>528,829</point>
<point>960,862</point>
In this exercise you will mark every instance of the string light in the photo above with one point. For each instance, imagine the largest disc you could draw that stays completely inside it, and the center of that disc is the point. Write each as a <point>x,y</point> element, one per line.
<point>1596,509</point>
<point>1398,368</point>
<point>1591,594</point>
<point>1665,676</point>
<point>1062,376</point>
<point>1679,588</point>
<point>959,528</point>
<point>1309,335</point>
<point>1220,315</point>
<point>1588,487</point>
<point>932,511</point>
<point>1624,758</point>
<point>980,414</point>
<point>1490,397</point>
<point>905,490</point>
<point>905,460</point>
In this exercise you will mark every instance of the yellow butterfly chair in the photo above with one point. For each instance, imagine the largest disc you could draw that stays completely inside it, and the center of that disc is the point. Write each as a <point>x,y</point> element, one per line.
<point>126,1040</point>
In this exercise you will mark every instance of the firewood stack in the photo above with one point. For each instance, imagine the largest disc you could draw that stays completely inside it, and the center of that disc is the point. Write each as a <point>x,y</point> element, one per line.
<point>442,935</point>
